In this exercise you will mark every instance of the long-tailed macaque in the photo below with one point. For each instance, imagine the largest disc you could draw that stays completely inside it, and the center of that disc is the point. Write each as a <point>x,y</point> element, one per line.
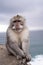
<point>18,38</point>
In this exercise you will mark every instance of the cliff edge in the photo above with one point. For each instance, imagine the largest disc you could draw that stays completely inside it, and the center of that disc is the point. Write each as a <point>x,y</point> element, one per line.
<point>6,59</point>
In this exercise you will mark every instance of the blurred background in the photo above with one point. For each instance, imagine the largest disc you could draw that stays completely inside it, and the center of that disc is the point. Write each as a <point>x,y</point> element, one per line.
<point>32,10</point>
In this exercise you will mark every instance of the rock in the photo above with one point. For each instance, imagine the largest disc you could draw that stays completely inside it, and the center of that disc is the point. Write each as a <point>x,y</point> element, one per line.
<point>6,59</point>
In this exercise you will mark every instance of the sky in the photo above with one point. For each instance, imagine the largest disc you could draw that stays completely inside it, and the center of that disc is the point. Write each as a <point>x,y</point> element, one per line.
<point>32,10</point>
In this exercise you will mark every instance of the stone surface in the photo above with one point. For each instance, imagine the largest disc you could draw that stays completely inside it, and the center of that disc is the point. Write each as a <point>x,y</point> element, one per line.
<point>6,59</point>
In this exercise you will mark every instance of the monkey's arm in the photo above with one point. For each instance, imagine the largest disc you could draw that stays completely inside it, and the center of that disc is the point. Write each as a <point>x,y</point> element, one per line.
<point>25,40</point>
<point>26,44</point>
<point>25,47</point>
<point>16,49</point>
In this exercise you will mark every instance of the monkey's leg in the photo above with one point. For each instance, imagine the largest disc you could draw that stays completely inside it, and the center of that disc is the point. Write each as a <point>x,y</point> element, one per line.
<point>25,47</point>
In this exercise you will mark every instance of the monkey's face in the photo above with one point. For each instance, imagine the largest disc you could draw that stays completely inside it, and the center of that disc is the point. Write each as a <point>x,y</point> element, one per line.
<point>17,25</point>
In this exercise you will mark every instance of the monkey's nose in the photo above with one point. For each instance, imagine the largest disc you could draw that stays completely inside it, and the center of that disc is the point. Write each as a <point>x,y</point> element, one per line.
<point>17,27</point>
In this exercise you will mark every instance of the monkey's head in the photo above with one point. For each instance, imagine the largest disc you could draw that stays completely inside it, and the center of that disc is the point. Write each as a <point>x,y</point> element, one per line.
<point>17,23</point>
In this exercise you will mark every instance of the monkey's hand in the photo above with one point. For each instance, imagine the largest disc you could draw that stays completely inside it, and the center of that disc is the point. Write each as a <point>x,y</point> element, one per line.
<point>19,57</point>
<point>28,58</point>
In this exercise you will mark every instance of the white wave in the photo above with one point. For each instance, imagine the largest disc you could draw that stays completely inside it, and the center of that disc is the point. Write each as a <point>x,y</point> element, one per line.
<point>37,60</point>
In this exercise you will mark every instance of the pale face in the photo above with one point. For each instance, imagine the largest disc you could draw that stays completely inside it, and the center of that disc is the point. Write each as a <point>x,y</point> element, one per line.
<point>17,25</point>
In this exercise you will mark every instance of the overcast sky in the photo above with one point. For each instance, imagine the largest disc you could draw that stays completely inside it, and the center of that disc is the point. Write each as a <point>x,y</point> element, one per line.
<point>32,10</point>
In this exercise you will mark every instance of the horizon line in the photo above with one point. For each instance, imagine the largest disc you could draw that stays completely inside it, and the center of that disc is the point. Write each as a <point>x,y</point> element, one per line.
<point>29,30</point>
<point>3,28</point>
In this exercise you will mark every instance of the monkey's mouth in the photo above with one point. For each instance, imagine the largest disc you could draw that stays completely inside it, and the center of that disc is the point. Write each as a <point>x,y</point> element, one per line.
<point>18,28</point>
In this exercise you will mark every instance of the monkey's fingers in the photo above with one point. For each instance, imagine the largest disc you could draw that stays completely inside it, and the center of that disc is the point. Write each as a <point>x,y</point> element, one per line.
<point>19,57</point>
<point>28,58</point>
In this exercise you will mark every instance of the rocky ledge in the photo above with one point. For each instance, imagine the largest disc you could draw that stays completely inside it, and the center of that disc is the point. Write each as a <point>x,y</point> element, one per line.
<point>6,59</point>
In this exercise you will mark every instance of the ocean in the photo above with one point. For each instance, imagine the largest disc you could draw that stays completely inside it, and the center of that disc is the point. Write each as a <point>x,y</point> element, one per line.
<point>36,46</point>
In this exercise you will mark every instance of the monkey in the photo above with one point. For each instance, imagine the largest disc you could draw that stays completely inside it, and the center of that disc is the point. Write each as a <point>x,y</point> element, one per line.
<point>17,38</point>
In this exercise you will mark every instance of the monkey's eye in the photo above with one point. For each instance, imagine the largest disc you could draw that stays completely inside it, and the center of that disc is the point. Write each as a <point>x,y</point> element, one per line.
<point>14,21</point>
